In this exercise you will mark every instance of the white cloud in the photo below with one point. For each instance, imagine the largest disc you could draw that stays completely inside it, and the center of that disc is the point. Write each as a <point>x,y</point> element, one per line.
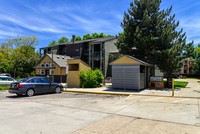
<point>191,25</point>
<point>37,26</point>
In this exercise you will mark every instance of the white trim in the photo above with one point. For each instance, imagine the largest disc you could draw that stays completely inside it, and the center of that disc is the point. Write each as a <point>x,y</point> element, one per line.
<point>50,65</point>
<point>42,70</point>
<point>67,68</point>
<point>51,71</point>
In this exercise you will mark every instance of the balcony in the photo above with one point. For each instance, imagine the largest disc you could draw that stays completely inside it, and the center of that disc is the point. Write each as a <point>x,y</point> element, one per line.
<point>96,55</point>
<point>86,52</point>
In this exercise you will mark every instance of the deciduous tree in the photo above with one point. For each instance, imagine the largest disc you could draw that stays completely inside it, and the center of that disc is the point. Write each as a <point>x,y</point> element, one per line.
<point>19,56</point>
<point>52,43</point>
<point>63,40</point>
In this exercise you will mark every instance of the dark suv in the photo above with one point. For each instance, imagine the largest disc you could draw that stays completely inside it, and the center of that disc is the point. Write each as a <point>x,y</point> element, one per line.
<point>34,85</point>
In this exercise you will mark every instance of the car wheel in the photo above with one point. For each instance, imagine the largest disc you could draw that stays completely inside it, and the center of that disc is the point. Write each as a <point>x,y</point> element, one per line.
<point>58,90</point>
<point>30,92</point>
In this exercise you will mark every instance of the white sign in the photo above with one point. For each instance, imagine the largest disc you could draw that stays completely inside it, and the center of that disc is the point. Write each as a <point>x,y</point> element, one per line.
<point>67,68</point>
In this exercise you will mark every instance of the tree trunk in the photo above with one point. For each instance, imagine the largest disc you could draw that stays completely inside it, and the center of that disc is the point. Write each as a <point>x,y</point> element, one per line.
<point>169,82</point>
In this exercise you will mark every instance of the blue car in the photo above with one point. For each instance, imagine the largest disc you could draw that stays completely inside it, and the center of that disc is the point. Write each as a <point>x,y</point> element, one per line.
<point>34,85</point>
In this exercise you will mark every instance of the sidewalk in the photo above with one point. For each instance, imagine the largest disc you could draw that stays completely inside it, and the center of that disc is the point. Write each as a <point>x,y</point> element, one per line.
<point>192,90</point>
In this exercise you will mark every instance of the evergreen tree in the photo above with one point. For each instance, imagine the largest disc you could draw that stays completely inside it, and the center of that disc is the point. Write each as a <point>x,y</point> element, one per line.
<point>197,60</point>
<point>189,51</point>
<point>151,35</point>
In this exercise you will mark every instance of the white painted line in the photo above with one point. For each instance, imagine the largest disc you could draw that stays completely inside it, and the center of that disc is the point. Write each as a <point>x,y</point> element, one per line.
<point>132,97</point>
<point>128,97</point>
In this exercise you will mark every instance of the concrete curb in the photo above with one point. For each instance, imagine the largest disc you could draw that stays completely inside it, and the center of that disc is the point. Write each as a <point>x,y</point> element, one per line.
<point>94,92</point>
<point>126,94</point>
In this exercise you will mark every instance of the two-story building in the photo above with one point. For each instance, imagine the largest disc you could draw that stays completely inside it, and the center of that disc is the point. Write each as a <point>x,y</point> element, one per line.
<point>52,66</point>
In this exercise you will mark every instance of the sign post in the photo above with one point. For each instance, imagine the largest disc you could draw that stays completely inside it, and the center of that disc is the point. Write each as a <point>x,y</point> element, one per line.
<point>172,87</point>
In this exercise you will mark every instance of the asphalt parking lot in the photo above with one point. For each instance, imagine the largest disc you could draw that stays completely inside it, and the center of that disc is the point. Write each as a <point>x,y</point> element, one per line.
<point>90,113</point>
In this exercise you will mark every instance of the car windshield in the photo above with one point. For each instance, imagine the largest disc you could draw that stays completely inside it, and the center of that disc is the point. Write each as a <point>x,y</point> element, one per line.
<point>23,80</point>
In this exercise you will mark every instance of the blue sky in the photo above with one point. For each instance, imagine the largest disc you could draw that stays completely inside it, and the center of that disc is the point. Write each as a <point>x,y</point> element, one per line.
<point>51,19</point>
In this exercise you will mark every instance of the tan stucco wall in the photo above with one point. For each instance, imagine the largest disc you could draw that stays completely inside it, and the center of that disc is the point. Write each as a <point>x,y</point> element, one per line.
<point>83,67</point>
<point>63,71</point>
<point>125,60</point>
<point>73,77</point>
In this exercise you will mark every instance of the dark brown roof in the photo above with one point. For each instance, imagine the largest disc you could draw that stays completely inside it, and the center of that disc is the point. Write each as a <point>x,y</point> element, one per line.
<point>97,40</point>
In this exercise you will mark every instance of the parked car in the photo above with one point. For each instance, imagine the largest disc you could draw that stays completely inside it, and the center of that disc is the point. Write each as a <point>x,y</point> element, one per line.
<point>5,74</point>
<point>34,85</point>
<point>5,80</point>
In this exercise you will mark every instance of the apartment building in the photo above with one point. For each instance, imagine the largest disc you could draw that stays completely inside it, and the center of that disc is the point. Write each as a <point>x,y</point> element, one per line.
<point>97,53</point>
<point>187,67</point>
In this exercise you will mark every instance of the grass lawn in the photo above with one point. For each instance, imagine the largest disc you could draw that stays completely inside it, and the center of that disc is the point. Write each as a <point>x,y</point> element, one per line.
<point>4,87</point>
<point>180,84</point>
<point>194,78</point>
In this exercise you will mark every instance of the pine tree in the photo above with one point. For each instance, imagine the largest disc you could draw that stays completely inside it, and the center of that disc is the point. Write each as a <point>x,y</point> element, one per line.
<point>151,35</point>
<point>197,60</point>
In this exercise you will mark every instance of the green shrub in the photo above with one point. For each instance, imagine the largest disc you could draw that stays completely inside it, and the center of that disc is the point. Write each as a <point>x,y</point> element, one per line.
<point>4,87</point>
<point>91,79</point>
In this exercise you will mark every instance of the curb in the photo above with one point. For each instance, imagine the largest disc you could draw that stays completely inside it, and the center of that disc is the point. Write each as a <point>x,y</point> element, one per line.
<point>94,92</point>
<point>126,94</point>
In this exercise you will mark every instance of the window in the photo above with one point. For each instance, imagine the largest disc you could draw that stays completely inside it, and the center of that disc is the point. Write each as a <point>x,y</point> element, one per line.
<point>51,72</point>
<point>3,79</point>
<point>36,80</point>
<point>42,72</point>
<point>42,65</point>
<point>32,81</point>
<point>50,65</point>
<point>10,79</point>
<point>44,80</point>
<point>73,67</point>
<point>47,65</point>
